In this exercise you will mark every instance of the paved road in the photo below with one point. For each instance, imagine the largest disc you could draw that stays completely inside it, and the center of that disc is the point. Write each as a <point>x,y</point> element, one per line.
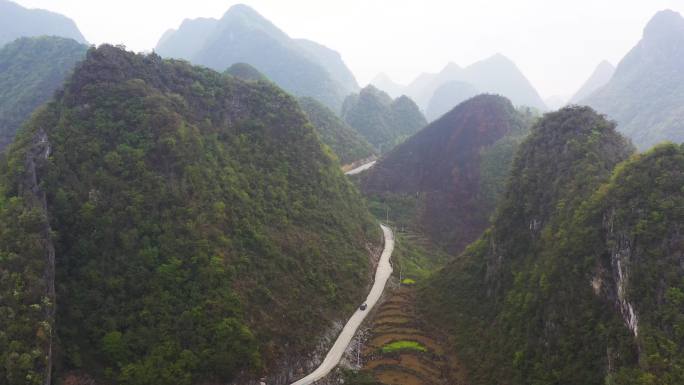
<point>335,354</point>
<point>361,168</point>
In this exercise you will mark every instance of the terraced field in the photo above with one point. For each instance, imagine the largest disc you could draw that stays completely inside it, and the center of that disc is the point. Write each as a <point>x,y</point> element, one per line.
<point>400,350</point>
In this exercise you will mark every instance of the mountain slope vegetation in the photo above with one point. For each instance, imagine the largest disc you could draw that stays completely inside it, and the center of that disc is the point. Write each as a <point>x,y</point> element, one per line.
<point>346,143</point>
<point>524,295</point>
<point>202,232</point>
<point>301,67</point>
<point>17,21</point>
<point>382,121</point>
<point>646,93</point>
<point>31,70</point>
<point>450,173</point>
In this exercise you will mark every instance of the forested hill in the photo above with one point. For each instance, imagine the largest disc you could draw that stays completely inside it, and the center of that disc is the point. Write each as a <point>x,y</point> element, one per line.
<point>299,66</point>
<point>17,21</point>
<point>31,70</point>
<point>202,234</point>
<point>453,170</point>
<point>382,121</point>
<point>529,283</point>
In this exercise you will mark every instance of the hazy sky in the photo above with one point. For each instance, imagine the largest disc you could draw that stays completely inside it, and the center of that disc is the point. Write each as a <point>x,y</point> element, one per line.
<point>556,43</point>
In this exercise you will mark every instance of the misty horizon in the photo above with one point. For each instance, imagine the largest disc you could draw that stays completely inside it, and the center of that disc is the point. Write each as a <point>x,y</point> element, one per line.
<point>556,46</point>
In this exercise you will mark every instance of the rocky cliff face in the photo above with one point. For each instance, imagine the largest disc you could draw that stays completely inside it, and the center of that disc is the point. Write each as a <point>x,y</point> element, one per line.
<point>35,198</point>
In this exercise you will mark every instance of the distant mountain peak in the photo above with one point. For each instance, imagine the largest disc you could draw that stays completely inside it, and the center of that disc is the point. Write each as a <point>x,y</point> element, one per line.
<point>243,9</point>
<point>499,58</point>
<point>452,67</point>
<point>606,64</point>
<point>242,35</point>
<point>600,77</point>
<point>381,77</point>
<point>17,21</point>
<point>241,16</point>
<point>664,24</point>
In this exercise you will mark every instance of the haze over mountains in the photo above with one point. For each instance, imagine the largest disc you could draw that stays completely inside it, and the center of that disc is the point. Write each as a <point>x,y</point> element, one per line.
<point>646,93</point>
<point>301,67</point>
<point>496,74</point>
<point>17,21</point>
<point>599,78</point>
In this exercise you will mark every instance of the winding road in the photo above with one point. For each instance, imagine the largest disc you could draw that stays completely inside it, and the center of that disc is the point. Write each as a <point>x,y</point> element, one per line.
<point>361,168</point>
<point>382,274</point>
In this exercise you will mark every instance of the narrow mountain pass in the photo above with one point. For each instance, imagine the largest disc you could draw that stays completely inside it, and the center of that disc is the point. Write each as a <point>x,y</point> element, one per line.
<point>382,274</point>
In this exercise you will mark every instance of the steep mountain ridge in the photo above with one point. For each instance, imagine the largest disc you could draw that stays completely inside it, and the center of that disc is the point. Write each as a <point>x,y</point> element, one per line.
<point>646,93</point>
<point>299,66</point>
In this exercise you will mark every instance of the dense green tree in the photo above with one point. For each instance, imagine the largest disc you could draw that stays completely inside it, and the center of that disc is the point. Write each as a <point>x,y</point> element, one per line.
<point>201,230</point>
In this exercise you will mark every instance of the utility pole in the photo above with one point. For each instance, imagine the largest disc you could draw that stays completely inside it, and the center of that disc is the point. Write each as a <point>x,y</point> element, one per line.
<point>401,267</point>
<point>358,350</point>
<point>387,208</point>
